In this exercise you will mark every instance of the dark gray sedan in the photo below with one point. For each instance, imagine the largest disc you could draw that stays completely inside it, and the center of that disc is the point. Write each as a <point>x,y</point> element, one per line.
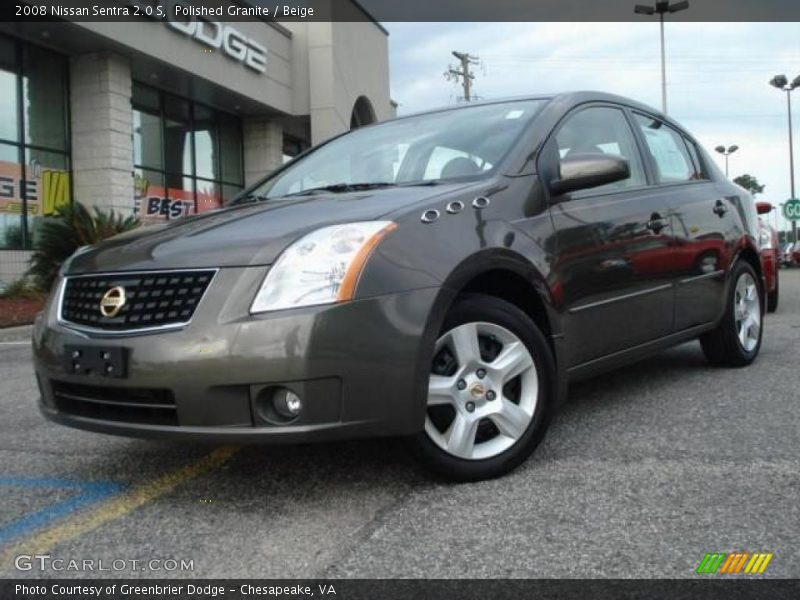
<point>440,276</point>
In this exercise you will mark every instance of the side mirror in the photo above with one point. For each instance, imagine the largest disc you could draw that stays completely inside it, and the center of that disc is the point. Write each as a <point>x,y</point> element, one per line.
<point>582,171</point>
<point>763,208</point>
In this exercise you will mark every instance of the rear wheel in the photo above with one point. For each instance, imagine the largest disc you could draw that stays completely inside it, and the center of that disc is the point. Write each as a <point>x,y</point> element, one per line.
<point>490,386</point>
<point>772,297</point>
<point>737,339</point>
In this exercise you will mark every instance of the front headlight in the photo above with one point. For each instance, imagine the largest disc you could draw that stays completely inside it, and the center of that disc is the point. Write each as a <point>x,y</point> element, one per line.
<point>764,236</point>
<point>320,268</point>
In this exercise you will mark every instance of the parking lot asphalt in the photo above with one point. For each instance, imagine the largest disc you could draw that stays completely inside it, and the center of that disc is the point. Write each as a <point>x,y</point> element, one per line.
<point>644,471</point>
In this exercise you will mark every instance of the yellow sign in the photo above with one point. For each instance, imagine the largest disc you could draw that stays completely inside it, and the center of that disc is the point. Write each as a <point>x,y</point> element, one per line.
<point>48,190</point>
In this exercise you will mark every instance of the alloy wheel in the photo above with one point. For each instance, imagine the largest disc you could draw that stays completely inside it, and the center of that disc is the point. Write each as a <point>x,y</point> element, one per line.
<point>747,312</point>
<point>482,391</point>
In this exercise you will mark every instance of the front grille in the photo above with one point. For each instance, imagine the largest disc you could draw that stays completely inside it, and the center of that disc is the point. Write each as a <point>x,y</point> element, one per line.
<point>151,299</point>
<point>128,405</point>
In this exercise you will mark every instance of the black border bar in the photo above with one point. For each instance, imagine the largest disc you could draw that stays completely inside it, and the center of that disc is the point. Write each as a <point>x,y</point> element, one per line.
<point>400,10</point>
<point>733,588</point>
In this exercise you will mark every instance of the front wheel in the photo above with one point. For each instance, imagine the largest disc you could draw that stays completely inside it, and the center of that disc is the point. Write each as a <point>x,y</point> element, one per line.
<point>490,389</point>
<point>737,339</point>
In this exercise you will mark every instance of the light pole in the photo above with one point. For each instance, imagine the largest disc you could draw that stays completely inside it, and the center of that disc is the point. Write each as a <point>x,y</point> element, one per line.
<point>782,83</point>
<point>726,152</point>
<point>661,8</point>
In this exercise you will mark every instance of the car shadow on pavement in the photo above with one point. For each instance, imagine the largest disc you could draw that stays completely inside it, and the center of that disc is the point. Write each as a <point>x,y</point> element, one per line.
<point>620,385</point>
<point>378,461</point>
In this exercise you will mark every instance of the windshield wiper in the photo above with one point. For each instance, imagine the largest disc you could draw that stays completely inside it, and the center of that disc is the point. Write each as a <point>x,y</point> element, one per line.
<point>251,197</point>
<point>420,183</point>
<point>336,188</point>
<point>339,188</point>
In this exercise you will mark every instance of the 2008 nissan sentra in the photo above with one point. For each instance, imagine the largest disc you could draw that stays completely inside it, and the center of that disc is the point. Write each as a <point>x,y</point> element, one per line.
<point>441,276</point>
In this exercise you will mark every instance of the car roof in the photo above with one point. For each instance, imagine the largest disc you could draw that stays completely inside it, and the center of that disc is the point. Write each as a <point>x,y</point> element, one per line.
<point>566,99</point>
<point>577,97</point>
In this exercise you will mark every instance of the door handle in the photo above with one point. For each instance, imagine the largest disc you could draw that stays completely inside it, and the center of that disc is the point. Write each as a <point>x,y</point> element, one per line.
<point>614,263</point>
<point>656,223</point>
<point>720,209</point>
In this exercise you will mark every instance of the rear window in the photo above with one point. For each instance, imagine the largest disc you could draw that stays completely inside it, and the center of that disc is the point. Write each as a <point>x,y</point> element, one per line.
<point>668,149</point>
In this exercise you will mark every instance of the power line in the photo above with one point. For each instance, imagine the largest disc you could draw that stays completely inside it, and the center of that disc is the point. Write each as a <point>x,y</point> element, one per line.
<point>647,57</point>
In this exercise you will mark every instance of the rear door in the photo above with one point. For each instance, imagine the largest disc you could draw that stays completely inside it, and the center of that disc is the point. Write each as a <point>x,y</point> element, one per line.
<point>608,238</point>
<point>702,220</point>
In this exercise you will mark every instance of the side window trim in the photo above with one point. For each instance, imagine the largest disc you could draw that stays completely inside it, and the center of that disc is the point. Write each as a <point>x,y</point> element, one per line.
<point>645,156</point>
<point>694,154</point>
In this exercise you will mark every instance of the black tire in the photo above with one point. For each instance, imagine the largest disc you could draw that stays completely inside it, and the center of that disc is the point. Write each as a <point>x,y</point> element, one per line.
<point>480,308</point>
<point>722,346</point>
<point>772,297</point>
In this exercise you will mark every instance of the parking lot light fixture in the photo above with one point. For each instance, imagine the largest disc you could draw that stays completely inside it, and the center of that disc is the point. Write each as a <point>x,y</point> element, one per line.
<point>781,82</point>
<point>661,8</point>
<point>726,152</point>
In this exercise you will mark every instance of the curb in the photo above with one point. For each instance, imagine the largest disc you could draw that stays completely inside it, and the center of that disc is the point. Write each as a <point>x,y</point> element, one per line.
<point>15,334</point>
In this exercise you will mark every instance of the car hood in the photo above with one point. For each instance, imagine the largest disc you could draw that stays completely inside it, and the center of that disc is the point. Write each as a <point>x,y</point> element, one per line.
<point>244,235</point>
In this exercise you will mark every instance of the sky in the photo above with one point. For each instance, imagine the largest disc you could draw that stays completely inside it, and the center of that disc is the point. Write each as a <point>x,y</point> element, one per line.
<point>717,76</point>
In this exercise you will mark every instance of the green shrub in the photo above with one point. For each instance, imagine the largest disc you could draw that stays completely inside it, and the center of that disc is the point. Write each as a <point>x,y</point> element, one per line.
<point>20,288</point>
<point>71,227</point>
<point>13,237</point>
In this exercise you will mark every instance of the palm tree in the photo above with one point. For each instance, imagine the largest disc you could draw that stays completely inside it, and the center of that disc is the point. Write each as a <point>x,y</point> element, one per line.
<point>71,227</point>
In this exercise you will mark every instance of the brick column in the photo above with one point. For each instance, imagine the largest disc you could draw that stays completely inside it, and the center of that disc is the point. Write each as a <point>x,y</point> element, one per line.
<point>263,147</point>
<point>102,148</point>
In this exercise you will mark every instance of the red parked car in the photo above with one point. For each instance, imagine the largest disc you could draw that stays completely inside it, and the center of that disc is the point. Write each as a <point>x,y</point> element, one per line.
<point>770,254</point>
<point>794,254</point>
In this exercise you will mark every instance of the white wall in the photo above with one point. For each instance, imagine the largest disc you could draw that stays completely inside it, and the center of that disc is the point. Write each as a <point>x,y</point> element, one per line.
<point>102,149</point>
<point>345,60</point>
<point>13,265</point>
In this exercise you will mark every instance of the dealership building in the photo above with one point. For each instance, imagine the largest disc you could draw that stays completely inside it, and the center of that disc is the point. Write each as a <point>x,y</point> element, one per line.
<point>168,118</point>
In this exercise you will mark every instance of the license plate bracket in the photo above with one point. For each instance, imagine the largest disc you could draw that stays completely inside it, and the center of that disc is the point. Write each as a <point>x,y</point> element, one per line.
<point>96,361</point>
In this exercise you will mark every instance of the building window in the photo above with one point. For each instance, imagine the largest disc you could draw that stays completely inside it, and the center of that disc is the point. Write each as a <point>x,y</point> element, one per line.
<point>34,140</point>
<point>363,113</point>
<point>292,147</point>
<point>187,157</point>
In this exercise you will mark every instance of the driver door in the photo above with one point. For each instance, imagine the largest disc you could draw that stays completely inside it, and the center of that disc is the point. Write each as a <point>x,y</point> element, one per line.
<point>609,242</point>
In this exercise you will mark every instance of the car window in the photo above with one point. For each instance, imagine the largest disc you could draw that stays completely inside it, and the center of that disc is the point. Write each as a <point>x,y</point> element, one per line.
<point>604,130</point>
<point>445,162</point>
<point>469,141</point>
<point>669,152</point>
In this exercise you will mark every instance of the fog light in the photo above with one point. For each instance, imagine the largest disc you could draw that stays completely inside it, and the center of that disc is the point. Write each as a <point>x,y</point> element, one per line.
<point>286,403</point>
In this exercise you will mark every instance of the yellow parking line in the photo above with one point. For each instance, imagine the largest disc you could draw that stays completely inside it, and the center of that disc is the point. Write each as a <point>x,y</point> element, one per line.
<point>115,507</point>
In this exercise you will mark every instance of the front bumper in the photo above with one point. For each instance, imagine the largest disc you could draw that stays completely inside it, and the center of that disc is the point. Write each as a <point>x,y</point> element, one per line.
<point>360,368</point>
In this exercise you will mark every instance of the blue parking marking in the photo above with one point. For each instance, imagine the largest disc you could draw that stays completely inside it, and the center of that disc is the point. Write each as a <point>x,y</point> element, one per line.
<point>87,493</point>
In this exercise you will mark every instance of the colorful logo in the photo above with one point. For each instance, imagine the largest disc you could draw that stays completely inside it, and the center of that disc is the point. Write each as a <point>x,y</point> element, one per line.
<point>735,563</point>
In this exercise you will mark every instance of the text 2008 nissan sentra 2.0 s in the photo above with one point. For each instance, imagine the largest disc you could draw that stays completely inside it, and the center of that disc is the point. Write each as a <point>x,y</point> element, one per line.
<point>439,276</point>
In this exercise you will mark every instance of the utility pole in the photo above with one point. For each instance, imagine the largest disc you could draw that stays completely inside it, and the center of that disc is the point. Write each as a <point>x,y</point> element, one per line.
<point>463,74</point>
<point>664,73</point>
<point>661,8</point>
<point>782,83</point>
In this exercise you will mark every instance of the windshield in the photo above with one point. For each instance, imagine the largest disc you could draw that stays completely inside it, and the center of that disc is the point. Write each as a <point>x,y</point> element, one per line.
<point>423,149</point>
